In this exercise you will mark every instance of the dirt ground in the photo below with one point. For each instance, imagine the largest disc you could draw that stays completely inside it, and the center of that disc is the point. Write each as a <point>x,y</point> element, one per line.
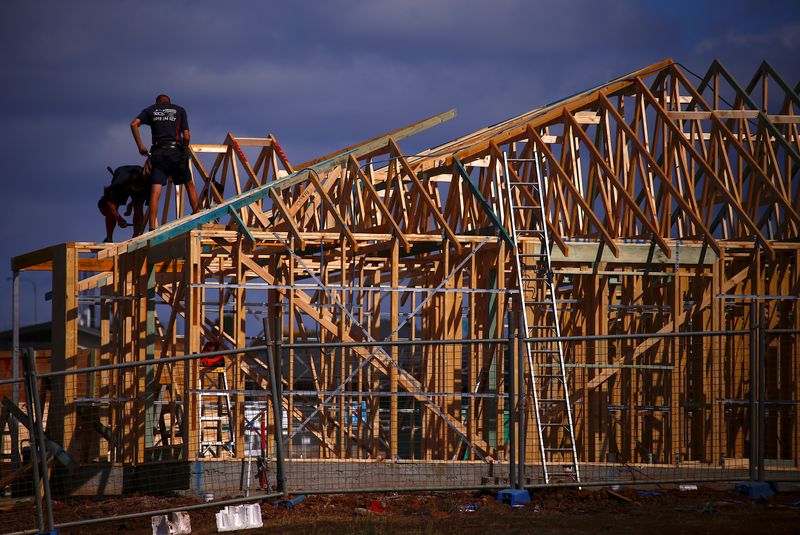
<point>566,511</point>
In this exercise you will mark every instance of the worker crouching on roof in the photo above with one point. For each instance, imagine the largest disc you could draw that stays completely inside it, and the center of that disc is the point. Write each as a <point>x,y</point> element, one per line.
<point>128,182</point>
<point>169,154</point>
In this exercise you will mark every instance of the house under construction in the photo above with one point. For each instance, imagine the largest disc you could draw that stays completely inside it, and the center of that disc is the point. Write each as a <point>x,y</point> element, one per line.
<point>655,204</point>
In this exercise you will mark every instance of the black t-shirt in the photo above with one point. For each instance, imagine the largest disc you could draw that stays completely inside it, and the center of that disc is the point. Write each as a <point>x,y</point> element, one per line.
<point>166,121</point>
<point>120,188</point>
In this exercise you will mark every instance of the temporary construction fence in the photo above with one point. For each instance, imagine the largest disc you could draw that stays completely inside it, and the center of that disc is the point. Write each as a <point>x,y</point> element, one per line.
<point>470,414</point>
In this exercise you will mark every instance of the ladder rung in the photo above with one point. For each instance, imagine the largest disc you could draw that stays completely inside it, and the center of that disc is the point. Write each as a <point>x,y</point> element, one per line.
<point>552,401</point>
<point>558,449</point>
<point>548,424</point>
<point>535,232</point>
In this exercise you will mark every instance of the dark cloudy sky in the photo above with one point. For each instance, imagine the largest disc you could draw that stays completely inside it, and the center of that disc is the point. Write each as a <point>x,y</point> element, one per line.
<point>319,77</point>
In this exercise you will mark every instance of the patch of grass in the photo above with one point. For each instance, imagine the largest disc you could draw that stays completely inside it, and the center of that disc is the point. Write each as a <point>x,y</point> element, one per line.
<point>369,527</point>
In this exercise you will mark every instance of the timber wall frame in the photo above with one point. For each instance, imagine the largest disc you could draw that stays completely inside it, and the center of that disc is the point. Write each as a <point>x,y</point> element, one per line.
<point>672,203</point>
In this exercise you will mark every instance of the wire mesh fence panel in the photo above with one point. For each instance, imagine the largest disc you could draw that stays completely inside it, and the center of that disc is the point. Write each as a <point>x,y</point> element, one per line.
<point>394,416</point>
<point>157,427</point>
<point>780,426</point>
<point>456,414</point>
<point>16,460</point>
<point>659,408</point>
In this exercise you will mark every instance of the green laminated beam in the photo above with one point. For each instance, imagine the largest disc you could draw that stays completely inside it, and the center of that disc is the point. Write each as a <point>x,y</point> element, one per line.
<point>483,202</point>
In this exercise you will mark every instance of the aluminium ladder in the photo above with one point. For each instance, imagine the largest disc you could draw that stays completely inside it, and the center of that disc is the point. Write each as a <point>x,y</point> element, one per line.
<point>214,406</point>
<point>543,347</point>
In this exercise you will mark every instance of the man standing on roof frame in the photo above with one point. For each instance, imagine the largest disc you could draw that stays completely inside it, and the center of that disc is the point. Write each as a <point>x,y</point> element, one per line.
<point>169,154</point>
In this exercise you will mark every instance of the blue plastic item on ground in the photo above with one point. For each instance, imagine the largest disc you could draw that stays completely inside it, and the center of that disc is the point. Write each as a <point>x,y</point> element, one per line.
<point>757,489</point>
<point>514,497</point>
<point>288,504</point>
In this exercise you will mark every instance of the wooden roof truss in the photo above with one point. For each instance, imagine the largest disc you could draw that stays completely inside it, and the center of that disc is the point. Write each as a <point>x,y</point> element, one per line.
<point>368,243</point>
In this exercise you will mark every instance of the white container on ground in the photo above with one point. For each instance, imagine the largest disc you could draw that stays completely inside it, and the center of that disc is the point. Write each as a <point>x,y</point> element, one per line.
<point>177,523</point>
<point>235,517</point>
